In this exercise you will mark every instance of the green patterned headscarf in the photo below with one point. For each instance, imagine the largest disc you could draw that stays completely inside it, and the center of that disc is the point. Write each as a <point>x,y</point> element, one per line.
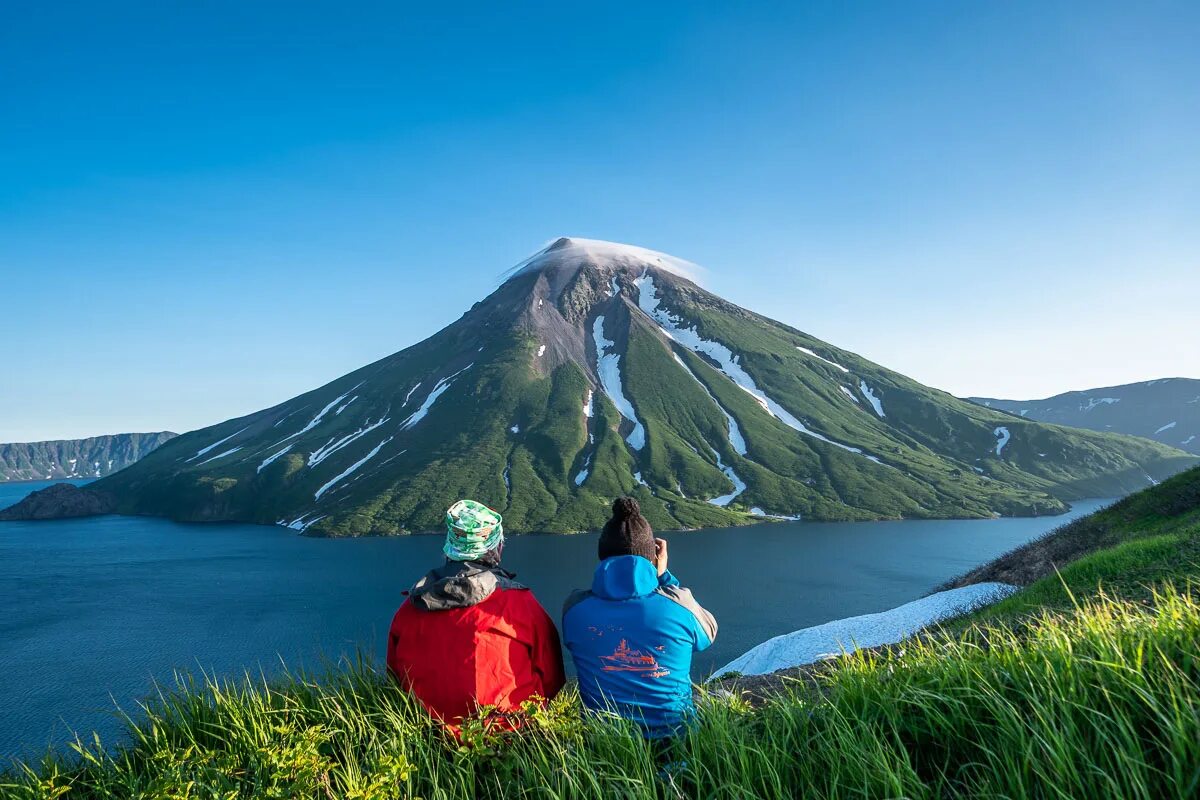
<point>472,529</point>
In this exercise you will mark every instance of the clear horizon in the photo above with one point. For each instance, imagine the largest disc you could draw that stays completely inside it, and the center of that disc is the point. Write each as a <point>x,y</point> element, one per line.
<point>208,211</point>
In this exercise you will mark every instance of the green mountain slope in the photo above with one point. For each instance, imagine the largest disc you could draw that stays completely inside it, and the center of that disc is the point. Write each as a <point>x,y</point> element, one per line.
<point>1166,410</point>
<point>93,457</point>
<point>597,369</point>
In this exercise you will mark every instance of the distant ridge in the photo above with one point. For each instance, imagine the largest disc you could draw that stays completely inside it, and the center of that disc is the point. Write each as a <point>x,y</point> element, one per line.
<point>597,369</point>
<point>1166,410</point>
<point>94,457</point>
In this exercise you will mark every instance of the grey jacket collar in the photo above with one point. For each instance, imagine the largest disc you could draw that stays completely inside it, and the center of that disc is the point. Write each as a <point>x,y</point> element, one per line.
<point>459,584</point>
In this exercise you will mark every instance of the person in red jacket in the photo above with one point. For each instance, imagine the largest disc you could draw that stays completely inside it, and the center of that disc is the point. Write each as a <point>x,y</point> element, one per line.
<point>469,635</point>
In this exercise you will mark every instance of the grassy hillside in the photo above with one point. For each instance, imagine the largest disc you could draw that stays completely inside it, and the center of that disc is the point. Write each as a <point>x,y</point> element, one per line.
<point>1092,698</point>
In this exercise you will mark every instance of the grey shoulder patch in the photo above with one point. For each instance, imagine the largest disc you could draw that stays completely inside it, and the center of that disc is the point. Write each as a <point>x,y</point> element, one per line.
<point>575,598</point>
<point>683,597</point>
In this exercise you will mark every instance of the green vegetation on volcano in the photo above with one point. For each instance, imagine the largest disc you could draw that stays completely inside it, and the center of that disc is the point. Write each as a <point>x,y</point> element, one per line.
<point>492,407</point>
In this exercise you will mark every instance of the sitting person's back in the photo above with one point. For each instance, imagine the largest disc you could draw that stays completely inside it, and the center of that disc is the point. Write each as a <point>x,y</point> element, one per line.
<point>469,635</point>
<point>632,635</point>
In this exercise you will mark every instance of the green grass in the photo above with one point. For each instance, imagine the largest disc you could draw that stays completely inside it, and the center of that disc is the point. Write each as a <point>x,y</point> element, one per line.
<point>1102,701</point>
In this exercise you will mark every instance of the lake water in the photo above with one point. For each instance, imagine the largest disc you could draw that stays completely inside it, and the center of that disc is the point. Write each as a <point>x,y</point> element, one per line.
<point>96,610</point>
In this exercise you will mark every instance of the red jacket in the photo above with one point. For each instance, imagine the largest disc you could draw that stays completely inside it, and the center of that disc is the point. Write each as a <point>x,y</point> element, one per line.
<point>469,636</point>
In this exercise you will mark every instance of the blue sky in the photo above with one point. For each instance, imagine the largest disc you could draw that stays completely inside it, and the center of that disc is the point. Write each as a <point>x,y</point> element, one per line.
<point>207,210</point>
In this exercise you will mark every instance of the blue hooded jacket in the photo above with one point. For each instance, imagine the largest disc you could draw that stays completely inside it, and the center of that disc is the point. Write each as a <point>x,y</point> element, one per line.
<point>632,637</point>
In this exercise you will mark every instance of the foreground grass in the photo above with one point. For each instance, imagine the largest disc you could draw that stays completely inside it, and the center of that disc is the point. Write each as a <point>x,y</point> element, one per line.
<point>1101,701</point>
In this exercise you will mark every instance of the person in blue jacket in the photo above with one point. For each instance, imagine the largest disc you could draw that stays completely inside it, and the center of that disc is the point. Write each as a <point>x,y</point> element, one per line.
<point>632,635</point>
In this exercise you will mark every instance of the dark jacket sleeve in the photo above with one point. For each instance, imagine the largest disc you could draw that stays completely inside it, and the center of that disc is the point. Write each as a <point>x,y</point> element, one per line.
<point>546,649</point>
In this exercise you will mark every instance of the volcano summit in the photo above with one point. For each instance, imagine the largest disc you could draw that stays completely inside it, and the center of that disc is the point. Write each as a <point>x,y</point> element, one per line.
<point>599,369</point>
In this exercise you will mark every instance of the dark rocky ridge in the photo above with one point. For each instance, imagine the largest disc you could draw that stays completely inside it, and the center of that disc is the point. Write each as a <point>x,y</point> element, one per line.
<point>60,501</point>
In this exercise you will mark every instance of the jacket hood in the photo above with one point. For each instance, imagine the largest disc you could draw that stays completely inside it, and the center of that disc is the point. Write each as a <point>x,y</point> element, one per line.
<point>624,577</point>
<point>459,584</point>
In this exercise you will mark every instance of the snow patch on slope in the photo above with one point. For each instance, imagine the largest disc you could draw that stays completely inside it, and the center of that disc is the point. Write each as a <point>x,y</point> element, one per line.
<point>329,448</point>
<point>739,485</point>
<point>869,630</point>
<point>735,433</point>
<point>871,398</point>
<point>269,460</point>
<point>315,421</point>
<point>211,447</point>
<point>608,366</point>
<point>727,362</point>
<point>808,352</point>
<point>1002,436</point>
<point>1166,427</point>
<point>350,470</point>
<point>1098,401</point>
<point>221,455</point>
<point>439,388</point>
<point>846,391</point>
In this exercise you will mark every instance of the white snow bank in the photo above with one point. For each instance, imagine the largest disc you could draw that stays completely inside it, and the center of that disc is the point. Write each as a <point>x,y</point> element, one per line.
<point>583,473</point>
<point>1002,435</point>
<point>1189,439</point>
<point>871,398</point>
<point>588,408</point>
<point>439,388</point>
<point>608,366</point>
<point>1166,427</point>
<point>271,458</point>
<point>739,485</point>
<point>869,630</point>
<point>735,433</point>
<point>300,523</point>
<point>413,389</point>
<point>541,351</point>
<point>343,406</point>
<point>315,421</point>
<point>846,391</point>
<point>758,512</point>
<point>331,447</point>
<point>1096,401</point>
<point>515,429</point>
<point>221,455</point>
<point>808,352</point>
<point>727,362</point>
<point>212,446</point>
<point>349,470</point>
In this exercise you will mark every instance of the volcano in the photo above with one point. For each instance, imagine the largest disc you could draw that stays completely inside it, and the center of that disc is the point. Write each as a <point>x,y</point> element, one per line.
<point>598,369</point>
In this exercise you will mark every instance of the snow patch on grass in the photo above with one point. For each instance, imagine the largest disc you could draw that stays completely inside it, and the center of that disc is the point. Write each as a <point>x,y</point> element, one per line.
<point>330,447</point>
<point>739,485</point>
<point>210,448</point>
<point>350,470</point>
<point>808,352</point>
<point>541,351</point>
<point>758,512</point>
<point>269,460</point>
<point>1002,436</point>
<point>221,455</point>
<point>735,433</point>
<point>439,388</point>
<point>728,363</point>
<point>846,391</point>
<point>869,630</point>
<point>1166,427</point>
<point>871,398</point>
<point>315,421</point>
<point>608,366</point>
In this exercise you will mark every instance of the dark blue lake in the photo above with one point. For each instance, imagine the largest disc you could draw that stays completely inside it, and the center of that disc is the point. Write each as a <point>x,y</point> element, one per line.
<point>96,610</point>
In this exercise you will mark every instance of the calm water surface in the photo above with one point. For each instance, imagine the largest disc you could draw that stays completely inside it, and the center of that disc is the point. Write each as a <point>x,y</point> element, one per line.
<point>96,610</point>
